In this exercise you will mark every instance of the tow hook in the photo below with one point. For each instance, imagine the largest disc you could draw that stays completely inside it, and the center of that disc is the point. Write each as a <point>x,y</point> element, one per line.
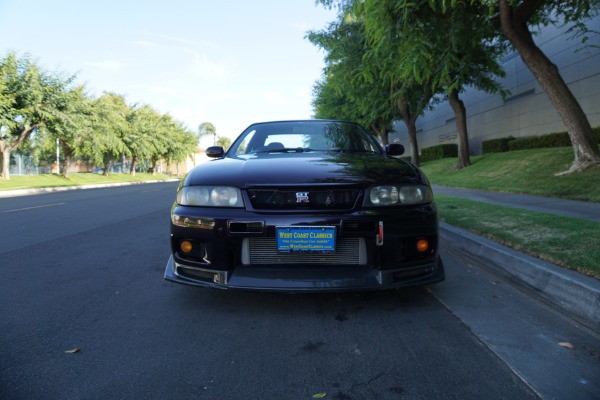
<point>379,236</point>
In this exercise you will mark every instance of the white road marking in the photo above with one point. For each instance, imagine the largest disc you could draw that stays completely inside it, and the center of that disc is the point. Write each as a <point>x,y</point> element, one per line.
<point>31,208</point>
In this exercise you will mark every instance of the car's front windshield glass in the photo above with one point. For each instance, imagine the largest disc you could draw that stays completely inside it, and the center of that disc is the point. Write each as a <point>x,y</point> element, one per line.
<point>304,136</point>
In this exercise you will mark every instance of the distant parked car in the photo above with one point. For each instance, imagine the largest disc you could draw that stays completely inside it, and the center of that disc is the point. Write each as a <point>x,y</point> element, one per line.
<point>313,205</point>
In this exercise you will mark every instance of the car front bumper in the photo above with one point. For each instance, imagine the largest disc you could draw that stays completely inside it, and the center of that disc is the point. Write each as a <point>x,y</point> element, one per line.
<point>303,279</point>
<point>238,249</point>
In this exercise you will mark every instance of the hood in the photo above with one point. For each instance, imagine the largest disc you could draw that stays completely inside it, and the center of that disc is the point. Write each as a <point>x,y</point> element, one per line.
<point>303,169</point>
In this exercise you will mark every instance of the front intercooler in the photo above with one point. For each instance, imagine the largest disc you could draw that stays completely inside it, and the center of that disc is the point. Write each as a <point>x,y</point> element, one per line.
<point>260,250</point>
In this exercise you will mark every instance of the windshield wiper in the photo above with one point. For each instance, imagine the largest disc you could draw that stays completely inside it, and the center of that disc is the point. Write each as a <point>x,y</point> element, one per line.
<point>284,150</point>
<point>353,151</point>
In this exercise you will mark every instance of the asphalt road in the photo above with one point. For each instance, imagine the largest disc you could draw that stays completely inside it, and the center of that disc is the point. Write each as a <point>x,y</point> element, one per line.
<point>83,270</point>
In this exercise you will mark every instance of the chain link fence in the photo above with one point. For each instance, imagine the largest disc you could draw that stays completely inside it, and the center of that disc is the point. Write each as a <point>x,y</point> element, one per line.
<point>25,165</point>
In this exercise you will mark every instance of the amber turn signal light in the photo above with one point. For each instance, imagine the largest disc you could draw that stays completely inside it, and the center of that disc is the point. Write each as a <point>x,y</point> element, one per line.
<point>185,246</point>
<point>422,245</point>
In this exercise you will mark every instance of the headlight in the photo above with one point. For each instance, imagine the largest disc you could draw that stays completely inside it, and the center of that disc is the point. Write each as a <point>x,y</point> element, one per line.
<point>395,195</point>
<point>383,195</point>
<point>415,195</point>
<point>210,196</point>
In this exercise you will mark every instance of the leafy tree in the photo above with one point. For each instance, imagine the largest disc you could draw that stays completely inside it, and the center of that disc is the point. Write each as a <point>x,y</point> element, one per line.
<point>180,142</point>
<point>144,135</point>
<point>35,101</point>
<point>512,18</point>
<point>69,125</point>
<point>365,76</point>
<point>109,125</point>
<point>165,137</point>
<point>441,48</point>
<point>30,98</point>
<point>412,100</point>
<point>347,91</point>
<point>328,102</point>
<point>516,19</point>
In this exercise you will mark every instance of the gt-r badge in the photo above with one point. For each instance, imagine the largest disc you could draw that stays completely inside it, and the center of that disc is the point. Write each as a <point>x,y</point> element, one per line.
<point>302,197</point>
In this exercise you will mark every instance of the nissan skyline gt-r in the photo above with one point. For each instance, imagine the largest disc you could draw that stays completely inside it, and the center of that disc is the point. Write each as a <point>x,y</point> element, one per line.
<point>300,206</point>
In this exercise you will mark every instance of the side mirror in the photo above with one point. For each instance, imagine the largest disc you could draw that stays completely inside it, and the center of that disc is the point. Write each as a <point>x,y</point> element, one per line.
<point>215,151</point>
<point>394,149</point>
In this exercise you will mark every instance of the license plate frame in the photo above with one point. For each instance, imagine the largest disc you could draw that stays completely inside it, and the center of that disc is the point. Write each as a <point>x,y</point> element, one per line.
<point>306,239</point>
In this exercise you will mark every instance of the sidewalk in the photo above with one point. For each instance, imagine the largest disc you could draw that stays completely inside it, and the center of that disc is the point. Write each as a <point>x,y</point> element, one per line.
<point>568,208</point>
<point>573,294</point>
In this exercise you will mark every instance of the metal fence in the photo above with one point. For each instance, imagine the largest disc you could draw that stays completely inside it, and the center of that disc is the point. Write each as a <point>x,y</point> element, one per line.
<point>25,165</point>
<point>21,164</point>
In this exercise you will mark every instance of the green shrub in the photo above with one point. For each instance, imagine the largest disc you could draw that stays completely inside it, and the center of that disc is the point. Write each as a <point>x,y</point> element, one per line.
<point>496,145</point>
<point>596,132</point>
<point>558,139</point>
<point>438,152</point>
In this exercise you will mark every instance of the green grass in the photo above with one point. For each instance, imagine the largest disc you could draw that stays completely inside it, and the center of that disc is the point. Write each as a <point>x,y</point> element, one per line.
<point>45,181</point>
<point>523,171</point>
<point>569,242</point>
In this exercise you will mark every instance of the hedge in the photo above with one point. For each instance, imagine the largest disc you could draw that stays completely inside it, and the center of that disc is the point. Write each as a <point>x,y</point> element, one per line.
<point>496,145</point>
<point>558,139</point>
<point>438,152</point>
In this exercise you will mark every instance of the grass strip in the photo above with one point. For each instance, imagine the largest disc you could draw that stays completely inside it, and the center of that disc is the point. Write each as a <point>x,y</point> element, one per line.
<point>524,171</point>
<point>52,180</point>
<point>568,242</point>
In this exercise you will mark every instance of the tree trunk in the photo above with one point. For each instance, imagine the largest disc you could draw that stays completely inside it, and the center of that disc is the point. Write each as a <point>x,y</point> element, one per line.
<point>410,121</point>
<point>65,166</point>
<point>68,153</point>
<point>6,164</point>
<point>411,126</point>
<point>385,137</point>
<point>382,132</point>
<point>153,166</point>
<point>514,26</point>
<point>107,162</point>
<point>6,148</point>
<point>461,126</point>
<point>133,164</point>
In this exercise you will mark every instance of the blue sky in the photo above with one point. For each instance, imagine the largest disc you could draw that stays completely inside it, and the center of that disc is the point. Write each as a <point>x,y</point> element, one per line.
<point>230,63</point>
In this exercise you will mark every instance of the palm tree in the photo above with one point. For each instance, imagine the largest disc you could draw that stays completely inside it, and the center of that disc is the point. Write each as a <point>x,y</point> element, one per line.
<point>206,128</point>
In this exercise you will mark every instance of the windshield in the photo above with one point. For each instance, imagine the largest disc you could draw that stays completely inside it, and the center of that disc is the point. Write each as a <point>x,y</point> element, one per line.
<point>304,136</point>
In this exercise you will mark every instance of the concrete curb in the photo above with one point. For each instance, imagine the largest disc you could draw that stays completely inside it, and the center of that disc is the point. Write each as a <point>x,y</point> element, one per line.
<point>30,192</point>
<point>573,294</point>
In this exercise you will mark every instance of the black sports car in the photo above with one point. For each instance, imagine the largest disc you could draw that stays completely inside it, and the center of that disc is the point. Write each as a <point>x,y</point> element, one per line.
<point>312,205</point>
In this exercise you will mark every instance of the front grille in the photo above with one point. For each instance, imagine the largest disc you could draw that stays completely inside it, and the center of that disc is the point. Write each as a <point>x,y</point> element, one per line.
<point>303,199</point>
<point>348,251</point>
